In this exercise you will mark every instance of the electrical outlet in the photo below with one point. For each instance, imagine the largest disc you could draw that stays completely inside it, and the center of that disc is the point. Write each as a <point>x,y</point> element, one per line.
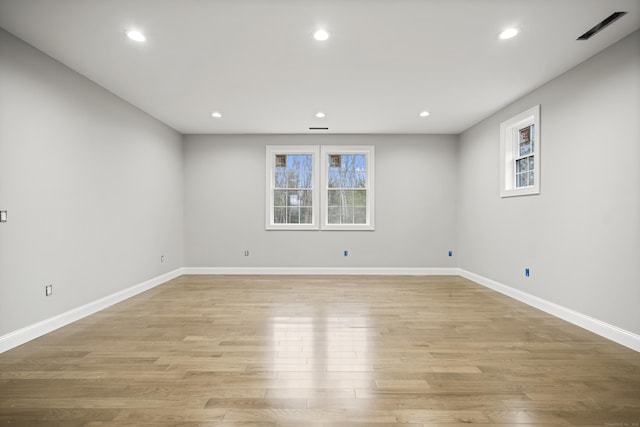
<point>3,216</point>
<point>346,253</point>
<point>48,290</point>
<point>246,252</point>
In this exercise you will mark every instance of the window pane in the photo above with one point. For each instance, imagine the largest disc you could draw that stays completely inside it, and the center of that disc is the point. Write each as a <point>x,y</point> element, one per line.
<point>533,140</point>
<point>293,199</point>
<point>334,178</point>
<point>305,198</point>
<point>280,178</point>
<point>360,171</point>
<point>334,198</point>
<point>293,215</point>
<point>280,215</point>
<point>279,198</point>
<point>299,170</point>
<point>525,172</point>
<point>523,180</point>
<point>306,215</point>
<point>360,198</point>
<point>341,206</point>
<point>347,197</point>
<point>349,172</point>
<point>333,215</point>
<point>524,140</point>
<point>347,215</point>
<point>522,165</point>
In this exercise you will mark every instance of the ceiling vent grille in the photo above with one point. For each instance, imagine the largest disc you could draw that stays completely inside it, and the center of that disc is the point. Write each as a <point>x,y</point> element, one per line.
<point>601,25</point>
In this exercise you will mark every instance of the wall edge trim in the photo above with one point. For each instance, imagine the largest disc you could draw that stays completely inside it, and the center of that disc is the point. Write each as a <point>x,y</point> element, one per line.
<point>23,335</point>
<point>368,271</point>
<point>613,333</point>
<point>598,327</point>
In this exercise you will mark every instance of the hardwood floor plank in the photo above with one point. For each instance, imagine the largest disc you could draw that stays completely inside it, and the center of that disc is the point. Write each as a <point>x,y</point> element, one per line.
<point>320,351</point>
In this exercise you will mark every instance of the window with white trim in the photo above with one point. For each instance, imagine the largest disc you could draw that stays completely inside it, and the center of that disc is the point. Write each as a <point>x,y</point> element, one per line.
<point>347,196</point>
<point>292,180</point>
<point>520,154</point>
<point>312,187</point>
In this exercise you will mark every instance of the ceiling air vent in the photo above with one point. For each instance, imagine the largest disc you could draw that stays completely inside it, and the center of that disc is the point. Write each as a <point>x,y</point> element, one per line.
<point>600,26</point>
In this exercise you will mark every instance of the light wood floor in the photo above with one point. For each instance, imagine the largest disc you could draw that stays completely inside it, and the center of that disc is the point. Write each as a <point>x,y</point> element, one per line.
<point>320,351</point>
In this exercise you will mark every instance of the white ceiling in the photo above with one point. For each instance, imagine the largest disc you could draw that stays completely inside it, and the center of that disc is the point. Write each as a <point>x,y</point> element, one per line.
<point>257,63</point>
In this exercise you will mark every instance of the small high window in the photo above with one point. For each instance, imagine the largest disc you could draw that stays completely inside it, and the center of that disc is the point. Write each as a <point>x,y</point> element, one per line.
<point>520,154</point>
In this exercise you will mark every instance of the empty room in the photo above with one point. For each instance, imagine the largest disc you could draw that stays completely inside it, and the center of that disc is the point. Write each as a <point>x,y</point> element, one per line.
<point>323,213</point>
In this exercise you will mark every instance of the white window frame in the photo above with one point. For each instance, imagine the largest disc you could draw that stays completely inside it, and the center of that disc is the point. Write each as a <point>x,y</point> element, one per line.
<point>272,151</point>
<point>369,151</point>
<point>509,153</point>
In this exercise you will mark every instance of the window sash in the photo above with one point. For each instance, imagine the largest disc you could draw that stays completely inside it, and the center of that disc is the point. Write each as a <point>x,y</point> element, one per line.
<point>284,211</point>
<point>348,215</point>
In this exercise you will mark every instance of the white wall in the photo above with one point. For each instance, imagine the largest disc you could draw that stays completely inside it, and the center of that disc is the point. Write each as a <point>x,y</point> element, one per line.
<point>416,179</point>
<point>92,186</point>
<point>581,236</point>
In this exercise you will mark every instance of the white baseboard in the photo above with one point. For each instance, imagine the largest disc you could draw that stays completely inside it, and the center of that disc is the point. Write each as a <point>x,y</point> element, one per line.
<point>28,333</point>
<point>368,271</point>
<point>613,333</point>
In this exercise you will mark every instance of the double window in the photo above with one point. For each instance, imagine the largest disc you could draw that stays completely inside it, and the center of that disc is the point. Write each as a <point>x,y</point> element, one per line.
<point>311,187</point>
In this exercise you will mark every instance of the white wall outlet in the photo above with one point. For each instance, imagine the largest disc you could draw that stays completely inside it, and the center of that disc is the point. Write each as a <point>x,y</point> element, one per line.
<point>48,290</point>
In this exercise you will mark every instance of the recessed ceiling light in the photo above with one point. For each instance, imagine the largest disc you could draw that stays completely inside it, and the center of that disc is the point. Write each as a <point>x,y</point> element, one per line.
<point>321,35</point>
<point>508,33</point>
<point>216,114</point>
<point>136,35</point>
<point>424,114</point>
<point>320,114</point>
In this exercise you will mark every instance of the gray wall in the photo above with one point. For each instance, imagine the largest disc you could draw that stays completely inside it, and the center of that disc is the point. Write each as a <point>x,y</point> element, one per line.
<point>95,191</point>
<point>416,181</point>
<point>581,235</point>
<point>92,186</point>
